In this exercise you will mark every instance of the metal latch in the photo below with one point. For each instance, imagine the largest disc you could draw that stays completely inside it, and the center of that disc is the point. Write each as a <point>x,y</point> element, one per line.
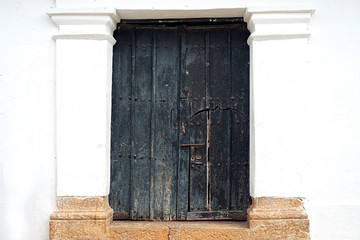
<point>194,159</point>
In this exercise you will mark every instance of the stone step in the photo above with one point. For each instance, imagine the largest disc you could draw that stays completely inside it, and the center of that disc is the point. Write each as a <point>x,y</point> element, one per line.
<point>179,230</point>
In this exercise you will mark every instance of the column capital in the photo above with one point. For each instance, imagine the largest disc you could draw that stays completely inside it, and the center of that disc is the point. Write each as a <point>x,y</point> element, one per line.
<point>86,24</point>
<point>272,24</point>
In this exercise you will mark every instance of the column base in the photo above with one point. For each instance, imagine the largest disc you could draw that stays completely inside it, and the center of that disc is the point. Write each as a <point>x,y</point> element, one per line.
<point>278,218</point>
<point>81,218</point>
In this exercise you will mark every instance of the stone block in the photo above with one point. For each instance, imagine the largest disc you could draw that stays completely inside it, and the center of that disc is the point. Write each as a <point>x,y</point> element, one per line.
<point>81,218</point>
<point>278,218</point>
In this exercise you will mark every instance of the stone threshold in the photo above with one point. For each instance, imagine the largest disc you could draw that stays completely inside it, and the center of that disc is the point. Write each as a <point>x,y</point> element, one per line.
<point>179,230</point>
<point>91,218</point>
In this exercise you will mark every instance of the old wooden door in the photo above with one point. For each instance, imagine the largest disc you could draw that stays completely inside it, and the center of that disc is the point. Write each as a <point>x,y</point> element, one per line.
<point>180,121</point>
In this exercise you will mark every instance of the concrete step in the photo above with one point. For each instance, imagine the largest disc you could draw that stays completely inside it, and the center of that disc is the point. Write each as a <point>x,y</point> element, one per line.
<point>179,230</point>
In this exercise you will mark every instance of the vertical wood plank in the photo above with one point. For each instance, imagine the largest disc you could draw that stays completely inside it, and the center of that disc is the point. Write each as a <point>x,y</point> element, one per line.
<point>165,105</point>
<point>141,157</point>
<point>195,83</point>
<point>184,136</point>
<point>220,86</point>
<point>153,202</point>
<point>120,128</point>
<point>240,196</point>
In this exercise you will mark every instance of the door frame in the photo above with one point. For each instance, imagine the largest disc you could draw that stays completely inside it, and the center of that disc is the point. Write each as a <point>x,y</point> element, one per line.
<point>84,55</point>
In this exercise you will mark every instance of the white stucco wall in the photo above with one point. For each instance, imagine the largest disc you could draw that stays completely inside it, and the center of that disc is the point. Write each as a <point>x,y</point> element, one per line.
<point>27,113</point>
<point>332,112</point>
<point>316,127</point>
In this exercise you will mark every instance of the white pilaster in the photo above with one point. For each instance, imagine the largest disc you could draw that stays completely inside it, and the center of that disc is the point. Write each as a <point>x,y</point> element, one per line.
<point>278,55</point>
<point>83,99</point>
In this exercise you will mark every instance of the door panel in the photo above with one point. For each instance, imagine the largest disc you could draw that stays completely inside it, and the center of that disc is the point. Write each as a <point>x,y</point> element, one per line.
<point>179,138</point>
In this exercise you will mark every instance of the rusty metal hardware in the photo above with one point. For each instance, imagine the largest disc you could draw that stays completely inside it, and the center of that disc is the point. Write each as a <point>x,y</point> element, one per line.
<point>194,159</point>
<point>192,144</point>
<point>197,160</point>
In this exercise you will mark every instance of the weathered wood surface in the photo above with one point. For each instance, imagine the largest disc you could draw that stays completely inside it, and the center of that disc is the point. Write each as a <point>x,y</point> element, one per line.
<point>180,122</point>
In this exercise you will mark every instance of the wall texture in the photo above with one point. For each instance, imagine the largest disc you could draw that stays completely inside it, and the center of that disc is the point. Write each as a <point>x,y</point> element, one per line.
<point>27,127</point>
<point>332,103</point>
<point>321,131</point>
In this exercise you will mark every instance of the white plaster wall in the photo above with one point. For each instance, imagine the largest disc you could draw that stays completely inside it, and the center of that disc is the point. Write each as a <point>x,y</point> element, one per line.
<point>81,128</point>
<point>279,115</point>
<point>332,148</point>
<point>320,136</point>
<point>27,108</point>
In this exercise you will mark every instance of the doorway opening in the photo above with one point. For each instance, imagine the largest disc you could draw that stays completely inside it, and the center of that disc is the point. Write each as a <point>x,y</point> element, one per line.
<point>180,120</point>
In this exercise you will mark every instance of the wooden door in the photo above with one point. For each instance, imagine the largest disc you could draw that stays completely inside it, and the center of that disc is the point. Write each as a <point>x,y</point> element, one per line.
<point>180,122</point>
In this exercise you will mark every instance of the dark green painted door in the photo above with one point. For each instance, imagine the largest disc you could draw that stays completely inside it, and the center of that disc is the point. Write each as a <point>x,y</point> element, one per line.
<point>180,122</point>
